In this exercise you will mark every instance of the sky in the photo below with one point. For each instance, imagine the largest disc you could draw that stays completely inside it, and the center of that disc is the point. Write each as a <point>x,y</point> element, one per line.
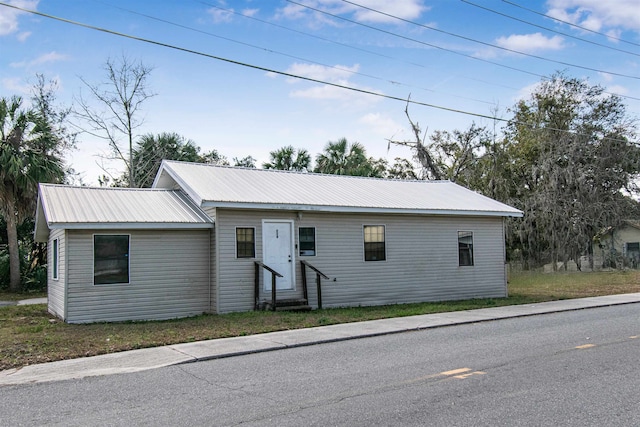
<point>246,77</point>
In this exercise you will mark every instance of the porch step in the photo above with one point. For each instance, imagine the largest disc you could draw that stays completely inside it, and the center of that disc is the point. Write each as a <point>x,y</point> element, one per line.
<point>293,308</point>
<point>289,305</point>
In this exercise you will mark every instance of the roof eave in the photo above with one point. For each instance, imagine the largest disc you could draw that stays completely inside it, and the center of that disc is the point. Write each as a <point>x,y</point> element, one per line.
<point>130,226</point>
<point>358,209</point>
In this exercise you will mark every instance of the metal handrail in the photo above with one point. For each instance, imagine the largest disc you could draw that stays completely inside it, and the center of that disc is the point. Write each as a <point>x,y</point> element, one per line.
<point>319,274</point>
<point>256,289</point>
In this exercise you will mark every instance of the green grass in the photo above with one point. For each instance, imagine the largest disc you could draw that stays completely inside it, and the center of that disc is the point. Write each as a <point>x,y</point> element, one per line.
<point>28,334</point>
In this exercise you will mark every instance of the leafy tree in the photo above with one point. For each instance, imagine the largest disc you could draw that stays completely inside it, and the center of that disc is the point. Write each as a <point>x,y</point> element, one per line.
<point>456,153</point>
<point>151,149</point>
<point>289,159</point>
<point>32,141</point>
<point>568,161</point>
<point>120,98</point>
<point>343,158</point>
<point>245,162</point>
<point>402,169</point>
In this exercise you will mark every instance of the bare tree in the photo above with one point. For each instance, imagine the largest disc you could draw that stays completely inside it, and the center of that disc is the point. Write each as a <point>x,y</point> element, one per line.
<point>421,150</point>
<point>117,117</point>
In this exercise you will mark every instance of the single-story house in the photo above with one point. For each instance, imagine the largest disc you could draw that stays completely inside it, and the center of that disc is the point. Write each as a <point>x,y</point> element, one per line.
<point>620,246</point>
<point>211,238</point>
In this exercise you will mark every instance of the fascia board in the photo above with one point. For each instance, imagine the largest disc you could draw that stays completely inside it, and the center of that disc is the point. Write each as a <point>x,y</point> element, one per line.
<point>166,167</point>
<point>130,226</point>
<point>351,209</point>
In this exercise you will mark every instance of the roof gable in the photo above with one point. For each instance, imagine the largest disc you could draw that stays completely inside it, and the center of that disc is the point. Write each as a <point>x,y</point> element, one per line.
<point>222,186</point>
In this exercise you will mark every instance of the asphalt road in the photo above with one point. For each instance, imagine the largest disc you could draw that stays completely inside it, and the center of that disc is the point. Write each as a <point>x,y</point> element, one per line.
<point>578,368</point>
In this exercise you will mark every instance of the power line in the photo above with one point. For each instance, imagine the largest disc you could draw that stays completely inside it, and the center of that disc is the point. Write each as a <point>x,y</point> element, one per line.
<point>568,64</point>
<point>549,29</point>
<point>570,24</point>
<point>543,77</point>
<point>244,64</point>
<point>272,51</point>
<point>417,41</point>
<point>260,68</point>
<point>360,49</point>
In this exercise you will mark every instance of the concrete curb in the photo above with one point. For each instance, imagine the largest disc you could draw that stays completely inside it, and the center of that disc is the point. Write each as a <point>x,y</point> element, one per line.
<point>151,358</point>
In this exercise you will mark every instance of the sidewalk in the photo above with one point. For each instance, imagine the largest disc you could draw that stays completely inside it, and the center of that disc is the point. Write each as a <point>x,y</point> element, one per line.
<point>151,358</point>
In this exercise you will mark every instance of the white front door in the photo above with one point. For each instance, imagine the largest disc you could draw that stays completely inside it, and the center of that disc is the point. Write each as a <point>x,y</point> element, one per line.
<point>277,252</point>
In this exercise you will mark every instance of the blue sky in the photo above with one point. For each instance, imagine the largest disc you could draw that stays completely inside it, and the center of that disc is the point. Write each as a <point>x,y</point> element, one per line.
<point>439,52</point>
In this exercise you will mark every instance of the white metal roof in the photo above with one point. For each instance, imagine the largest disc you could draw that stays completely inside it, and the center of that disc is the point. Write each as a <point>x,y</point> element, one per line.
<point>210,185</point>
<point>61,206</point>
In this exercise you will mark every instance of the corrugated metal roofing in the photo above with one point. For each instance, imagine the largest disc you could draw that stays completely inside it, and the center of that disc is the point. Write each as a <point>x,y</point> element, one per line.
<point>211,185</point>
<point>82,206</point>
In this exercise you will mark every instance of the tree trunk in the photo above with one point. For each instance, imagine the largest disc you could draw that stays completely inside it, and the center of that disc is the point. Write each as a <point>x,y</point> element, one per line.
<point>12,240</point>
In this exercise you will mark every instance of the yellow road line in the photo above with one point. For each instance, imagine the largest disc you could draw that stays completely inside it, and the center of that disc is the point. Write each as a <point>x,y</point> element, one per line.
<point>580,347</point>
<point>454,372</point>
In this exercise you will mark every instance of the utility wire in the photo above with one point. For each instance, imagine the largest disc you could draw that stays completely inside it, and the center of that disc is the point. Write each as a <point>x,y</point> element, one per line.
<point>244,64</point>
<point>570,24</point>
<point>568,64</point>
<point>257,67</point>
<point>417,41</point>
<point>549,29</point>
<point>355,47</point>
<point>272,51</point>
<point>543,77</point>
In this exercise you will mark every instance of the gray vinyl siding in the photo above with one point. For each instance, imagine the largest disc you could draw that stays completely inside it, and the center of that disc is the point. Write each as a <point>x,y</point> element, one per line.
<point>56,288</point>
<point>169,277</point>
<point>421,259</point>
<point>213,291</point>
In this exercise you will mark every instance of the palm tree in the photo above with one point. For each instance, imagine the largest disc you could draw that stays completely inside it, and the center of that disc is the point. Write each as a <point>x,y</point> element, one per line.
<point>342,158</point>
<point>151,149</point>
<point>289,159</point>
<point>29,154</point>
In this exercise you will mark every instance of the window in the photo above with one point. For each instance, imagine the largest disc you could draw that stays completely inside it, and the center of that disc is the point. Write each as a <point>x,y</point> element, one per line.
<point>110,259</point>
<point>245,242</point>
<point>633,247</point>
<point>374,247</point>
<point>55,256</point>
<point>307,239</point>
<point>465,248</point>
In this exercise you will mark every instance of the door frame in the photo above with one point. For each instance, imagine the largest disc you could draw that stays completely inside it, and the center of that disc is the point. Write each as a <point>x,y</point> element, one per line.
<point>292,246</point>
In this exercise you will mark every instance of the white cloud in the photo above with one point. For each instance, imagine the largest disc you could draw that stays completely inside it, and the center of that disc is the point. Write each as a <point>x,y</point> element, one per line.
<point>405,9</point>
<point>617,89</point>
<point>23,36</point>
<point>597,15</point>
<point>529,43</point>
<point>606,76</point>
<point>9,16</point>
<point>219,15</point>
<point>16,86</point>
<point>339,73</point>
<point>42,59</point>
<point>250,12</point>
<point>380,124</point>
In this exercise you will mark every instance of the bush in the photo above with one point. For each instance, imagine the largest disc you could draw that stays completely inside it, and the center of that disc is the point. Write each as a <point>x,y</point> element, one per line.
<point>33,277</point>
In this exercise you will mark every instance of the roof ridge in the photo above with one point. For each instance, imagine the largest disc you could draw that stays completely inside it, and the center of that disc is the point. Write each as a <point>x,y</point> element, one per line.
<point>87,187</point>
<point>308,173</point>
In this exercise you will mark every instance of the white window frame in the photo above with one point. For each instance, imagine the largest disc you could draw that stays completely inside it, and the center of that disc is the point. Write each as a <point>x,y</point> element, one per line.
<point>55,259</point>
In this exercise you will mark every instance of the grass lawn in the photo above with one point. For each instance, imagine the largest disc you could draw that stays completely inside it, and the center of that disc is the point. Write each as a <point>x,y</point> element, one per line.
<point>28,334</point>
